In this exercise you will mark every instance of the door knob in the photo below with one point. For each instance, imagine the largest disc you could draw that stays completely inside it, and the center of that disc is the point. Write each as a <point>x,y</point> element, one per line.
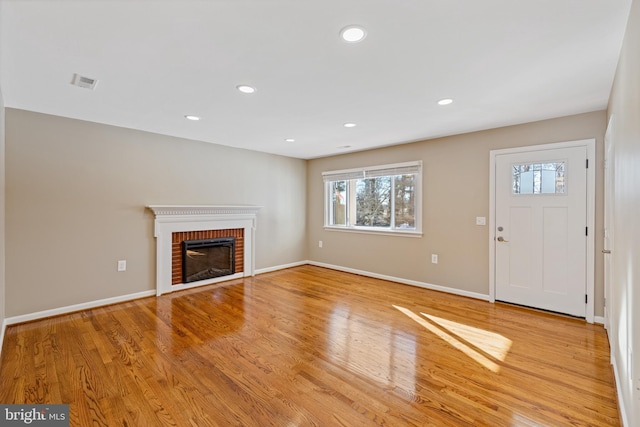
<point>606,251</point>
<point>501,239</point>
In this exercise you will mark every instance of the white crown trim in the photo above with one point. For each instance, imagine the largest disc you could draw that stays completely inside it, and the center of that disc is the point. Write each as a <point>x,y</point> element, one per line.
<point>185,210</point>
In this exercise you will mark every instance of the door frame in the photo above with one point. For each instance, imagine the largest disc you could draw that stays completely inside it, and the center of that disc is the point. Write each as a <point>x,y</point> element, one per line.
<point>609,208</point>
<point>590,145</point>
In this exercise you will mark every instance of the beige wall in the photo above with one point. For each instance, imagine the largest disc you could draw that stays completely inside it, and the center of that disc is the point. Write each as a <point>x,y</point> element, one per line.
<point>456,190</point>
<point>76,196</point>
<point>2,214</point>
<point>624,109</point>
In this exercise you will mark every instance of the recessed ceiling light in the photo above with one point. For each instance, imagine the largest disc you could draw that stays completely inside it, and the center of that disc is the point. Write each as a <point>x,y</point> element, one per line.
<point>246,88</point>
<point>353,34</point>
<point>290,140</point>
<point>349,125</point>
<point>445,101</point>
<point>190,117</point>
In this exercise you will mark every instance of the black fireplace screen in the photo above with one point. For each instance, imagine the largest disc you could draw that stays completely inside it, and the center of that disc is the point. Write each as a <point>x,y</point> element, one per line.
<point>206,259</point>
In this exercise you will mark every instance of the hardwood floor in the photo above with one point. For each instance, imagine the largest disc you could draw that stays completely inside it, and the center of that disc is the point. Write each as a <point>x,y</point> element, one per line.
<point>313,347</point>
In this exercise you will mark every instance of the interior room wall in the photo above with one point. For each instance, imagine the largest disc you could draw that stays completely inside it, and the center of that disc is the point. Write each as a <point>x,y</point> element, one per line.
<point>2,208</point>
<point>2,221</point>
<point>624,111</point>
<point>455,192</point>
<point>76,196</point>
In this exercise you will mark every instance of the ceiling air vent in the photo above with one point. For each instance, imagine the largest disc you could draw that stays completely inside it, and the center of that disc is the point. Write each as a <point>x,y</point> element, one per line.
<point>85,82</point>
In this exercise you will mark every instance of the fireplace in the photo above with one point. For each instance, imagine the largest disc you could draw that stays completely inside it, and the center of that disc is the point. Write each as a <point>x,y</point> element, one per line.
<point>207,259</point>
<point>177,223</point>
<point>177,246</point>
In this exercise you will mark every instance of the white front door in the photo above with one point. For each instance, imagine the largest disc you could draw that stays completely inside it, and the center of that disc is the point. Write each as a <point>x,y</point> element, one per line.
<point>540,229</point>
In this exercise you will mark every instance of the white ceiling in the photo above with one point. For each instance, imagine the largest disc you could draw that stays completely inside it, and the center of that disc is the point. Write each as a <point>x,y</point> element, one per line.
<point>502,61</point>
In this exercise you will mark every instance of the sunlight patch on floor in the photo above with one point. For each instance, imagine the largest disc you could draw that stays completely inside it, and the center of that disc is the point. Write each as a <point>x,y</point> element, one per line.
<point>464,338</point>
<point>491,343</point>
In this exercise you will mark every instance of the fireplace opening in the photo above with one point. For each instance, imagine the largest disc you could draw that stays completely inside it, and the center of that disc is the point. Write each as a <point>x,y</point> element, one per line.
<point>208,258</point>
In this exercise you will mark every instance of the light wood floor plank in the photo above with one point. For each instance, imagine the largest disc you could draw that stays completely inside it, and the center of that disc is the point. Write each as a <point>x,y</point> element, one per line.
<point>310,346</point>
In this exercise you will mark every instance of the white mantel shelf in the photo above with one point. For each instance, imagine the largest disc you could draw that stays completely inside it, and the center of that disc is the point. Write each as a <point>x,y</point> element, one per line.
<point>177,218</point>
<point>181,210</point>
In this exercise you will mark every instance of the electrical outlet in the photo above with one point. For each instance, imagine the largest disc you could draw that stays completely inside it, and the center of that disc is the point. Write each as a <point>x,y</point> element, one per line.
<point>434,258</point>
<point>319,243</point>
<point>122,265</point>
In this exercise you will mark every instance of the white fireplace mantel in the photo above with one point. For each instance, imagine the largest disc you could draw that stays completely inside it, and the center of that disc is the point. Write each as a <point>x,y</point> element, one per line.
<point>177,218</point>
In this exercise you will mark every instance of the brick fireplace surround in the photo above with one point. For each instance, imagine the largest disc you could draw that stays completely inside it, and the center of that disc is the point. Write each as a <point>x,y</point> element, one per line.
<point>181,236</point>
<point>175,223</point>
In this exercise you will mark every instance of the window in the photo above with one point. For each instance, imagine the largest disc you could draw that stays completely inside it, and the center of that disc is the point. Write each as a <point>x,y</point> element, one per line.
<point>380,198</point>
<point>539,178</point>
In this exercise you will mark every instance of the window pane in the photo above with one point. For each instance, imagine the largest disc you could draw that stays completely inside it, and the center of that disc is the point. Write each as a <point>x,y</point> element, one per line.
<point>373,202</point>
<point>539,178</point>
<point>337,209</point>
<point>405,201</point>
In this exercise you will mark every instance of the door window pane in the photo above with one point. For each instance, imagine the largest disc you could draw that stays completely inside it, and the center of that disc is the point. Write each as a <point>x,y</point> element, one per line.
<point>539,178</point>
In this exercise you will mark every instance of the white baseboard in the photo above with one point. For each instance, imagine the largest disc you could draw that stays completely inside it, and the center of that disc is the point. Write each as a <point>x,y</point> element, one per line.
<point>114,300</point>
<point>77,307</point>
<point>122,298</point>
<point>404,281</point>
<point>280,267</point>
<point>623,412</point>
<point>599,320</point>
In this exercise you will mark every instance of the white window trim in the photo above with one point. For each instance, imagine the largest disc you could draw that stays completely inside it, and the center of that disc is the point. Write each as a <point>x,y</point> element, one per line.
<point>356,173</point>
<point>374,230</point>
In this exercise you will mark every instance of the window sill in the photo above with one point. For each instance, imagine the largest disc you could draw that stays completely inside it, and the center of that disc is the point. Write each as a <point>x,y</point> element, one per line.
<point>359,230</point>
